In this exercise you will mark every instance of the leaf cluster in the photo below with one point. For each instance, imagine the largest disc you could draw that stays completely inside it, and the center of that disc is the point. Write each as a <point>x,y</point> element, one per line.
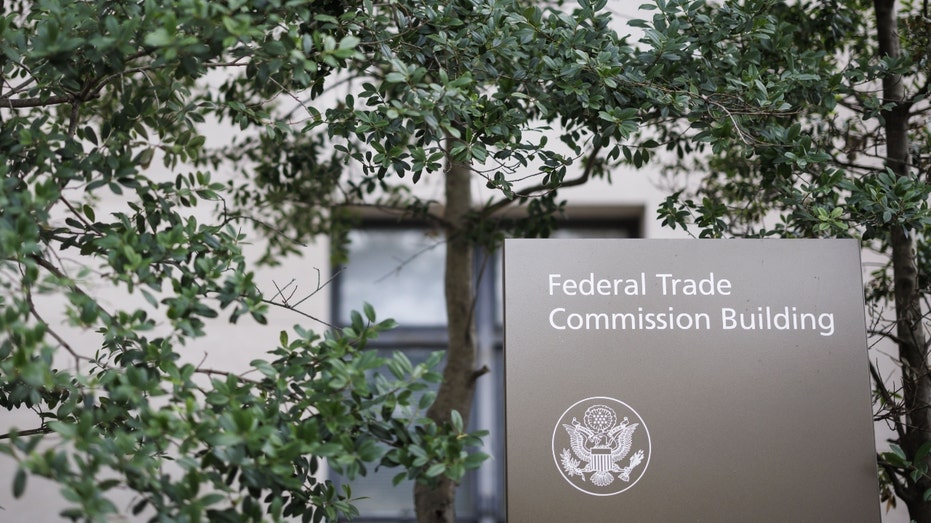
<point>848,157</point>
<point>106,186</point>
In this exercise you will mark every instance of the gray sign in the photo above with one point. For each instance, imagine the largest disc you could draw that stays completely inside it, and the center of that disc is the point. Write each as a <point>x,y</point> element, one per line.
<point>686,380</point>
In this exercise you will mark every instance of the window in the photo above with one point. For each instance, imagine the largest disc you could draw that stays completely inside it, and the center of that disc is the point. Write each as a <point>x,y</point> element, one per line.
<point>398,268</point>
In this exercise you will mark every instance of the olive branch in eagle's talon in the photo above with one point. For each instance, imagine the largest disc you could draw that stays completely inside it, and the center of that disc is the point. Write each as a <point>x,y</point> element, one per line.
<point>570,465</point>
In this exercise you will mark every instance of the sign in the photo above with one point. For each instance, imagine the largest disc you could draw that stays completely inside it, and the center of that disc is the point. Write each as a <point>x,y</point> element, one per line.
<point>687,380</point>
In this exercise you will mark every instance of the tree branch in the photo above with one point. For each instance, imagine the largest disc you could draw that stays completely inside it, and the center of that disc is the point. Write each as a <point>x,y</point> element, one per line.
<point>30,432</point>
<point>45,264</point>
<point>886,396</point>
<point>21,103</point>
<point>583,178</point>
<point>61,341</point>
<point>897,487</point>
<point>302,313</point>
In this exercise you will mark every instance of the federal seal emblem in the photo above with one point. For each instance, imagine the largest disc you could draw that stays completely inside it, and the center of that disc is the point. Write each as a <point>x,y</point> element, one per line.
<point>601,446</point>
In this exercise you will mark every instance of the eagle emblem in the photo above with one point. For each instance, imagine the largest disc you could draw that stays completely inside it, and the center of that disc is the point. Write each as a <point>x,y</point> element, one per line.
<point>598,446</point>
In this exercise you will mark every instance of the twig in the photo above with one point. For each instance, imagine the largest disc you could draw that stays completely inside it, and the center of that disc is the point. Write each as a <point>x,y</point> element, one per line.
<point>61,341</point>
<point>215,372</point>
<point>42,262</point>
<point>302,313</point>
<point>319,286</point>
<point>408,260</point>
<point>280,292</point>
<point>583,178</point>
<point>29,432</point>
<point>887,397</point>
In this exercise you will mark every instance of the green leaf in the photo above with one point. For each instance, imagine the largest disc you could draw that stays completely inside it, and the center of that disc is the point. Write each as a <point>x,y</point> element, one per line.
<point>395,77</point>
<point>369,312</point>
<point>67,430</point>
<point>437,469</point>
<point>349,42</point>
<point>223,439</point>
<point>922,453</point>
<point>264,367</point>
<point>897,451</point>
<point>426,399</point>
<point>19,482</point>
<point>398,479</point>
<point>159,38</point>
<point>475,460</point>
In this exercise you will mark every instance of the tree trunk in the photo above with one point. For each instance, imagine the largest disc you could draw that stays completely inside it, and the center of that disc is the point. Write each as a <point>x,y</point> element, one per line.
<point>436,504</point>
<point>913,357</point>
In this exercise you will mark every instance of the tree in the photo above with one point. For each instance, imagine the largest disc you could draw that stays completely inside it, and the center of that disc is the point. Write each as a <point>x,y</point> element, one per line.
<point>474,90</point>
<point>850,159</point>
<point>457,84</point>
<point>91,94</point>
